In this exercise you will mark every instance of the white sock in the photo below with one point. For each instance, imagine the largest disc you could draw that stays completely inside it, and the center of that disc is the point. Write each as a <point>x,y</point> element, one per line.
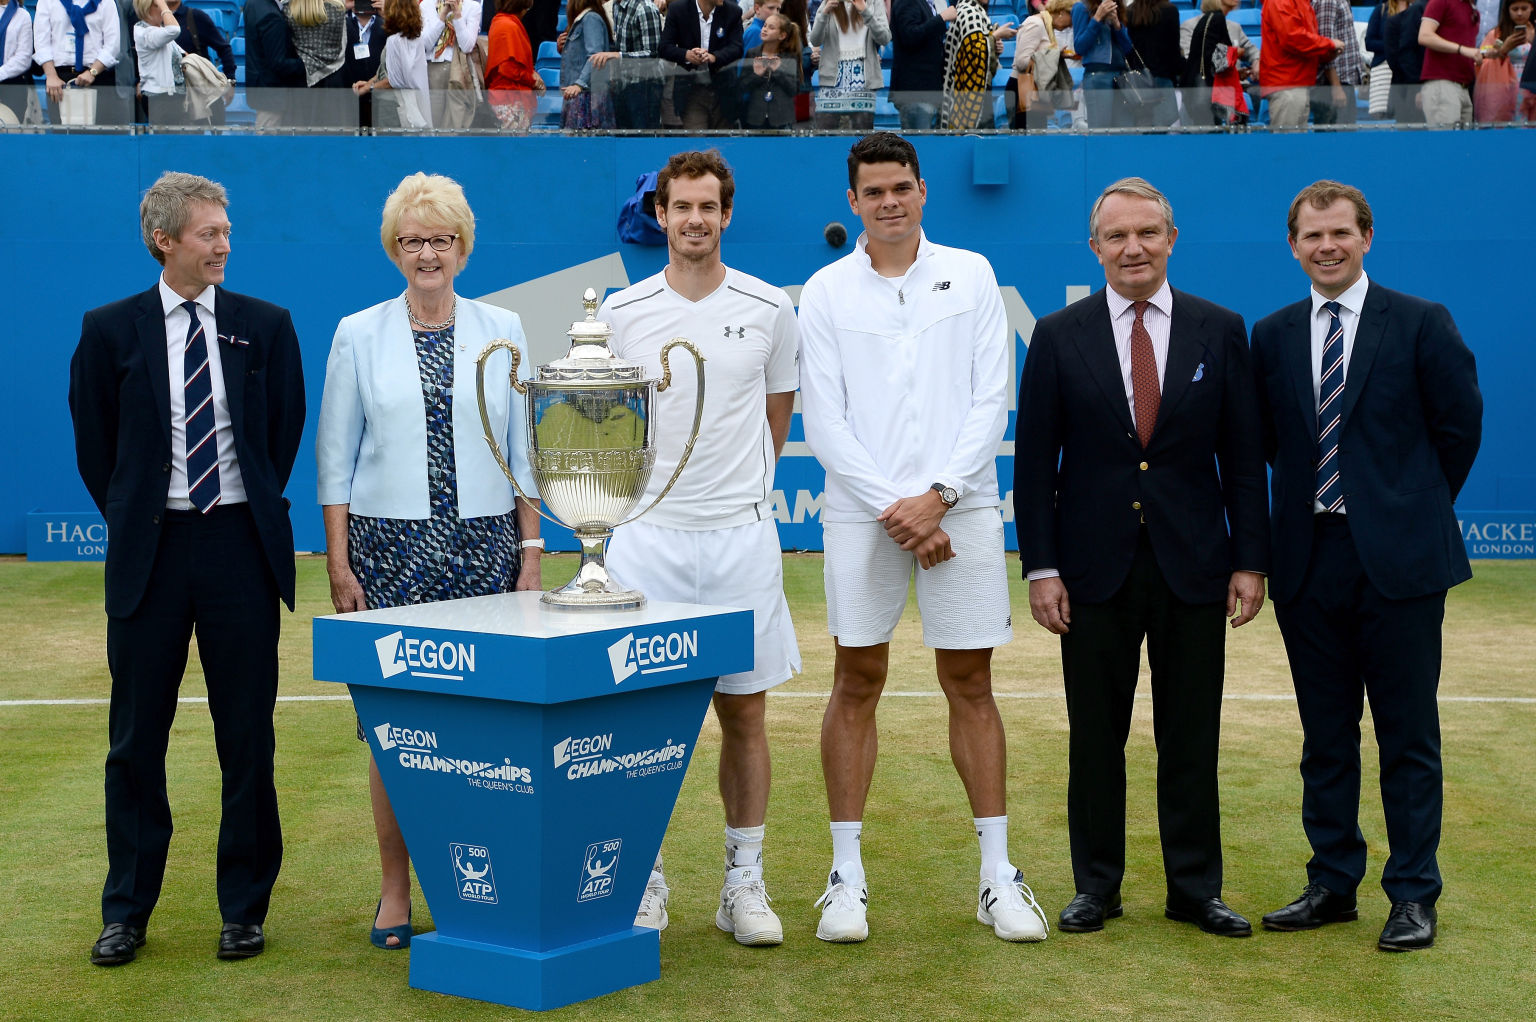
<point>993,832</point>
<point>744,847</point>
<point>846,842</point>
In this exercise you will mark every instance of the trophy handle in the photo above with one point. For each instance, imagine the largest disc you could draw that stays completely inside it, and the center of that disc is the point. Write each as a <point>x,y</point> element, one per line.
<point>485,416</point>
<point>698,414</point>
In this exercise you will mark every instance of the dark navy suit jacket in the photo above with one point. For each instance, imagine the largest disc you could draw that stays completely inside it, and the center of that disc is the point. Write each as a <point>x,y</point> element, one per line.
<point>1083,482</point>
<point>680,33</point>
<point>119,399</point>
<point>1412,424</point>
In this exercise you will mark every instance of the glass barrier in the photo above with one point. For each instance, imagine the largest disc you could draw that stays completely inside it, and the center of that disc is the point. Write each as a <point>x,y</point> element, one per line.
<point>758,95</point>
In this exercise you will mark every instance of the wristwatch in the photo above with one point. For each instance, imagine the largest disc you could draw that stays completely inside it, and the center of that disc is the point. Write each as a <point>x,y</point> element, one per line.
<point>947,494</point>
<point>537,542</point>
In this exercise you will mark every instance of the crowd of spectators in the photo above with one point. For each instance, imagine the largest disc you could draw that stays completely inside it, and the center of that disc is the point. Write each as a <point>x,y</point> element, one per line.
<point>455,65</point>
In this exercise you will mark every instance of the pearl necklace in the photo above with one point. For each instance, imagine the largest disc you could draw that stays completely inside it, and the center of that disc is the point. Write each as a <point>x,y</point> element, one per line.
<point>430,327</point>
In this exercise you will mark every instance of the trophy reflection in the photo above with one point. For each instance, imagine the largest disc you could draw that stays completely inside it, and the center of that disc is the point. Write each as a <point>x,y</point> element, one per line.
<point>591,442</point>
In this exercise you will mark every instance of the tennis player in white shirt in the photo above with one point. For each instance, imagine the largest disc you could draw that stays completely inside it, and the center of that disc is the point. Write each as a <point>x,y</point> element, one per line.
<point>904,382</point>
<point>713,540</point>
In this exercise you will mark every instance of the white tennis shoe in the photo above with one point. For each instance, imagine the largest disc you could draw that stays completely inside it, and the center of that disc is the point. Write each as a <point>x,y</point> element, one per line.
<point>744,911</point>
<point>653,904</point>
<point>1006,904</point>
<point>843,909</point>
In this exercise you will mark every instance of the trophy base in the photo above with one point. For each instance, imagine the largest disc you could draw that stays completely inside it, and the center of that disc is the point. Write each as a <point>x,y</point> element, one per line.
<point>603,599</point>
<point>593,588</point>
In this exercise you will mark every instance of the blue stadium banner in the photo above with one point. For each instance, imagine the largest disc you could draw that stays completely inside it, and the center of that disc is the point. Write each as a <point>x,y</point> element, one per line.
<point>66,536</point>
<point>1498,534</point>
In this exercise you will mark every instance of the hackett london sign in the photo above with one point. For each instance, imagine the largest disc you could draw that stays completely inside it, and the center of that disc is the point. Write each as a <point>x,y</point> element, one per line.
<point>66,536</point>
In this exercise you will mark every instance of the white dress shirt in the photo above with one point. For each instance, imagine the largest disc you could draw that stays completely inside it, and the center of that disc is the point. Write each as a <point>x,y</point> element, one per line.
<point>1350,304</point>
<point>405,65</point>
<point>904,380</point>
<point>53,35</point>
<point>1158,319</point>
<point>154,43</point>
<point>466,28</point>
<point>231,486</point>
<point>18,44</point>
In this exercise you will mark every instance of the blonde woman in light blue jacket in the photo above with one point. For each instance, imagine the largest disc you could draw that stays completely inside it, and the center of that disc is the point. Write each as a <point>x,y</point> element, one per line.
<point>416,509</point>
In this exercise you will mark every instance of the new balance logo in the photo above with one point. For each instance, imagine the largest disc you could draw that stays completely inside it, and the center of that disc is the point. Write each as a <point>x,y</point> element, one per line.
<point>741,331</point>
<point>942,285</point>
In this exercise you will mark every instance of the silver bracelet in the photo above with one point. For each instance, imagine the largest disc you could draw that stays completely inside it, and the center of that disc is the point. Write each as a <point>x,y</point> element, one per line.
<point>537,541</point>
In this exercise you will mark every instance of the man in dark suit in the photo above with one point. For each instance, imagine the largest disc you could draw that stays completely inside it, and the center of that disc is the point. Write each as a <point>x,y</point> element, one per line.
<point>365,48</point>
<point>272,65</point>
<point>917,60</point>
<point>188,404</point>
<point>1372,418</point>
<point>1139,500</point>
<point>703,35</point>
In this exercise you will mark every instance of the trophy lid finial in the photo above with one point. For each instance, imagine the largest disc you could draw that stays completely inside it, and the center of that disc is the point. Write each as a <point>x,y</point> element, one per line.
<point>589,302</point>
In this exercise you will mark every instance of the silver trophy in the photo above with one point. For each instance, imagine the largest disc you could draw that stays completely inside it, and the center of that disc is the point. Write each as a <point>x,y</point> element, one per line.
<point>592,444</point>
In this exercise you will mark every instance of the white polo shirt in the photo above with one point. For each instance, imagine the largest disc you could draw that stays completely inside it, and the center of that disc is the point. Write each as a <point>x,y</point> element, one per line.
<point>904,380</point>
<point>747,333</point>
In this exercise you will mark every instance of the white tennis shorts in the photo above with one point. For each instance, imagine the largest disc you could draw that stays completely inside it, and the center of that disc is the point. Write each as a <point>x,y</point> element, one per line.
<point>741,566</point>
<point>963,601</point>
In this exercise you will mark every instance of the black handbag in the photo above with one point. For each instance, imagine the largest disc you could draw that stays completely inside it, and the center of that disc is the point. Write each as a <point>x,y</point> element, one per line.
<point>1136,85</point>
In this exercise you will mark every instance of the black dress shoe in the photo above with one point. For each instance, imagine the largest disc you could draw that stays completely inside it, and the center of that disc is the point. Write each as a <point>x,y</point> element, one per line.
<point>1210,914</point>
<point>1086,913</point>
<point>1410,927</point>
<point>241,940</point>
<point>1316,907</point>
<point>118,944</point>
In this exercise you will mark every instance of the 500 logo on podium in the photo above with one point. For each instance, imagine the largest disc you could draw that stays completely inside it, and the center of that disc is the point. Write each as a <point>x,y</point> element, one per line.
<point>597,875</point>
<point>472,873</point>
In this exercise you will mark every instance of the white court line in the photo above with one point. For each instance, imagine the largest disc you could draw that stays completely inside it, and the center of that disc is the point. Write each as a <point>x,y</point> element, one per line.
<point>1247,697</point>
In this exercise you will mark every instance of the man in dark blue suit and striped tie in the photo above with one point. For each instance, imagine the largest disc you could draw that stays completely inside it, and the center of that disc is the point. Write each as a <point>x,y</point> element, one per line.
<point>1372,418</point>
<point>188,405</point>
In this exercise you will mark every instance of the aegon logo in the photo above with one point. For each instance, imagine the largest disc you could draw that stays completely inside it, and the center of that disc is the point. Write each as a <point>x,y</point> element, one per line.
<point>568,749</point>
<point>411,738</point>
<point>651,654</point>
<point>424,658</point>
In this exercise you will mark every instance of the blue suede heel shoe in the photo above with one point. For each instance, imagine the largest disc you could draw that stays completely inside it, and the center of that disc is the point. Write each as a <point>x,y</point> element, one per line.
<point>379,935</point>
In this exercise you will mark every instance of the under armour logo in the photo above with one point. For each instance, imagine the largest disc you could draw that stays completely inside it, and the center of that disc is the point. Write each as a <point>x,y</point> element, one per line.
<point>741,331</point>
<point>942,285</point>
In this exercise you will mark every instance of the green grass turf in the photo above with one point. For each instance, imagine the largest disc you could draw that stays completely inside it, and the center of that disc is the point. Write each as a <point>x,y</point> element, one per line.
<point>927,957</point>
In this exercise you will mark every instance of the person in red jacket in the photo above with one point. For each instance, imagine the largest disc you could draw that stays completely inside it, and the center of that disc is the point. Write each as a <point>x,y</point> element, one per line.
<point>1293,51</point>
<point>510,80</point>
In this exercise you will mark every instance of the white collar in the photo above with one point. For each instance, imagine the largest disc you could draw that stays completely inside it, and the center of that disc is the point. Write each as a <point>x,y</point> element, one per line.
<point>1352,299</point>
<point>171,301</point>
<point>925,248</point>
<point>1162,300</point>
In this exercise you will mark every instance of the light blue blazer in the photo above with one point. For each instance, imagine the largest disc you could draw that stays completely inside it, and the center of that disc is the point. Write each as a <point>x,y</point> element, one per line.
<point>371,444</point>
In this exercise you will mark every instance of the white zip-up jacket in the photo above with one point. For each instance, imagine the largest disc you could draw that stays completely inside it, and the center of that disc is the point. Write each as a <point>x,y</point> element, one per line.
<point>904,380</point>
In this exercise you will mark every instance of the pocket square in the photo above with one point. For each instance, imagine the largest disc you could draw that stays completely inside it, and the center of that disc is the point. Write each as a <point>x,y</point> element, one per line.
<point>1199,373</point>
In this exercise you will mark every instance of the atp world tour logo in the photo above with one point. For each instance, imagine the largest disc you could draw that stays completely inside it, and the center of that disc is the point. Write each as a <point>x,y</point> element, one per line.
<point>472,873</point>
<point>424,658</point>
<point>599,869</point>
<point>651,654</point>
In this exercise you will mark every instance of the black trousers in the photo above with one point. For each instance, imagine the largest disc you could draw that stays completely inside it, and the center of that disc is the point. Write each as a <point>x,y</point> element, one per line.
<point>1101,657</point>
<point>210,577</point>
<point>1346,641</point>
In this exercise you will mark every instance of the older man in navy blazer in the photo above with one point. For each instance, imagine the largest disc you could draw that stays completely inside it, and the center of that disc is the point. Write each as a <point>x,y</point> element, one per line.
<point>703,35</point>
<point>188,404</point>
<point>1372,418</point>
<point>1139,498</point>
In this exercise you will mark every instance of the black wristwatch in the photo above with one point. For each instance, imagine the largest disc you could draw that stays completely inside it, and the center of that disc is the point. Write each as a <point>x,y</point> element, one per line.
<point>947,494</point>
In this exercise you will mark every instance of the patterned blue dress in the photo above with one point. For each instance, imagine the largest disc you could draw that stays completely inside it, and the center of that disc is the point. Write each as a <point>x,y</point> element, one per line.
<point>400,561</point>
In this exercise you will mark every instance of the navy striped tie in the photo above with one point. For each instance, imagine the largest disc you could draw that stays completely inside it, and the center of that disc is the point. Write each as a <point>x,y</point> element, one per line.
<point>1330,404</point>
<point>202,447</point>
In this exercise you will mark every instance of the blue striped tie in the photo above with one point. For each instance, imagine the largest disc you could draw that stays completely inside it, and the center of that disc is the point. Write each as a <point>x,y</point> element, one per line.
<point>202,447</point>
<point>1330,405</point>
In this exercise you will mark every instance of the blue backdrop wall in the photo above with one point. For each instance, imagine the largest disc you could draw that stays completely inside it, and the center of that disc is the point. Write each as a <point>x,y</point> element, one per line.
<point>306,218</point>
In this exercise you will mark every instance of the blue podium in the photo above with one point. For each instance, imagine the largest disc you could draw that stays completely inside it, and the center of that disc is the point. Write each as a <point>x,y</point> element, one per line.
<point>533,757</point>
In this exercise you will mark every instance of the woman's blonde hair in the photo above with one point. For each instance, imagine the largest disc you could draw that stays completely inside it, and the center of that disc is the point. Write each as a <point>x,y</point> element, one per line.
<point>1058,6</point>
<point>308,12</point>
<point>431,199</point>
<point>142,9</point>
<point>1212,6</point>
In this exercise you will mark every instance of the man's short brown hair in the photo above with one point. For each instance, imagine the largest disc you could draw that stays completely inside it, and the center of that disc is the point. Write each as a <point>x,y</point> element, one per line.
<point>696,164</point>
<point>1321,195</point>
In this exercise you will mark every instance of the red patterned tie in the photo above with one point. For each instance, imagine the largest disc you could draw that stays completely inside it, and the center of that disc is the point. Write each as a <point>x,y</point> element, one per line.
<point>1146,392</point>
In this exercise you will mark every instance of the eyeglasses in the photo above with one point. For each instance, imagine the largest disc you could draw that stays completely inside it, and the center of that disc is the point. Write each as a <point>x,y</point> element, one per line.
<point>439,243</point>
